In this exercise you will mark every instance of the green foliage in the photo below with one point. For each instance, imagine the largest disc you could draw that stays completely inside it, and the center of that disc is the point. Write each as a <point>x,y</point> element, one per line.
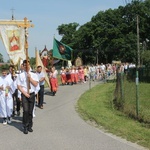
<point>1,58</point>
<point>112,32</point>
<point>146,57</point>
<point>5,66</point>
<point>33,62</point>
<point>125,96</point>
<point>67,31</point>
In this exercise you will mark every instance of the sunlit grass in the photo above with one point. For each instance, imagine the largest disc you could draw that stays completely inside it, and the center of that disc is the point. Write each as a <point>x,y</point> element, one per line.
<point>143,100</point>
<point>97,105</point>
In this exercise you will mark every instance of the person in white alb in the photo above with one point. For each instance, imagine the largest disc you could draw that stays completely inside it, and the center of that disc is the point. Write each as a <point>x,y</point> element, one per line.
<point>27,82</point>
<point>6,100</point>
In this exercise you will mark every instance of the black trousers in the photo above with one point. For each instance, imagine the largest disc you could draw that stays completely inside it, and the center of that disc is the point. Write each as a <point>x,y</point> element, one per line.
<point>15,98</point>
<point>28,105</point>
<point>41,95</point>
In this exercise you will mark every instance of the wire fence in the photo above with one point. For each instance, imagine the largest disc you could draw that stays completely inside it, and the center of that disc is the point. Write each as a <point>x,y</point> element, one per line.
<point>132,93</point>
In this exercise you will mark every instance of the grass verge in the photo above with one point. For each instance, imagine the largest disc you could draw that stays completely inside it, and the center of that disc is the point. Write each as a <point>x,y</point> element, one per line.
<point>96,105</point>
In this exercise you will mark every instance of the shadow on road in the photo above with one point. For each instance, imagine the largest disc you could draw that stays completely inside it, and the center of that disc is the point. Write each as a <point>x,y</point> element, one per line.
<point>16,122</point>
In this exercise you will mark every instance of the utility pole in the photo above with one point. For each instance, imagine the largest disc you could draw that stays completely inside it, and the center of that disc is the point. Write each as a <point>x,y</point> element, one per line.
<point>138,43</point>
<point>97,55</point>
<point>138,65</point>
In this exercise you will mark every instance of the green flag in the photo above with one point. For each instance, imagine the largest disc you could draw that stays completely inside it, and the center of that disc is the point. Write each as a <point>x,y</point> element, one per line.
<point>61,51</point>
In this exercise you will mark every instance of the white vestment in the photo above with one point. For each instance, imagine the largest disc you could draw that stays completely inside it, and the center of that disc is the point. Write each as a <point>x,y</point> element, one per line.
<point>6,102</point>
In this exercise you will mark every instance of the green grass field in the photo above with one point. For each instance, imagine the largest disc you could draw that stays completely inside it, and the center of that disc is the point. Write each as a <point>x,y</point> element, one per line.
<point>143,100</point>
<point>96,105</point>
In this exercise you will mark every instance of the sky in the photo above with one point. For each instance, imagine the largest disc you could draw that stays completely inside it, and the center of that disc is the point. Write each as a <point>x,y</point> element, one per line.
<point>47,15</point>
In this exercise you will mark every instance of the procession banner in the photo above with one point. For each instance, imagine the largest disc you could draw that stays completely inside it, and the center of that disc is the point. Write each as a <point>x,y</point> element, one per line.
<point>13,38</point>
<point>78,62</point>
<point>61,51</point>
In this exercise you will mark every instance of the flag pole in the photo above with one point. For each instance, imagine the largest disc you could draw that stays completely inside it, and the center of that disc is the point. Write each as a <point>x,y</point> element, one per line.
<point>35,56</point>
<point>36,63</point>
<point>52,55</point>
<point>26,25</point>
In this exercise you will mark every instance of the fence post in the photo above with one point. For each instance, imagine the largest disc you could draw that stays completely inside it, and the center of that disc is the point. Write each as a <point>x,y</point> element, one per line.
<point>121,82</point>
<point>137,94</point>
<point>90,83</point>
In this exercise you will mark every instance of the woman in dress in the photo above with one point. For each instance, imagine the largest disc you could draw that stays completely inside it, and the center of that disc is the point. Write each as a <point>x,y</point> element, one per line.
<point>53,80</point>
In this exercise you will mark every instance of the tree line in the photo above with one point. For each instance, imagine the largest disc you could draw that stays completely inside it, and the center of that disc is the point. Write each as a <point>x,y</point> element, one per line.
<point>111,34</point>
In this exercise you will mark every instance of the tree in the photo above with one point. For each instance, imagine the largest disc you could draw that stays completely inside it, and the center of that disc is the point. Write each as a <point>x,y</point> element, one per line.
<point>146,58</point>
<point>67,32</point>
<point>1,58</point>
<point>33,62</point>
<point>113,33</point>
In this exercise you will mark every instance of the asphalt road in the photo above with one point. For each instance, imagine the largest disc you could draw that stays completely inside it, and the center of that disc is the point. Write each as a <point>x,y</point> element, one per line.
<point>59,127</point>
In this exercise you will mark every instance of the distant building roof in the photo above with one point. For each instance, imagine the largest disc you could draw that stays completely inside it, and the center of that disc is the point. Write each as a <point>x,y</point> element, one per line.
<point>1,64</point>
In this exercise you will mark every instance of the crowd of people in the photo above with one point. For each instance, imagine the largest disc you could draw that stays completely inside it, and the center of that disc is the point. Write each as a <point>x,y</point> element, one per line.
<point>82,74</point>
<point>26,88</point>
<point>21,89</point>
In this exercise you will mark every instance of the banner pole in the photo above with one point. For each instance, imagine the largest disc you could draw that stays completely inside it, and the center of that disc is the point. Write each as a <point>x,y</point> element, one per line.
<point>26,25</point>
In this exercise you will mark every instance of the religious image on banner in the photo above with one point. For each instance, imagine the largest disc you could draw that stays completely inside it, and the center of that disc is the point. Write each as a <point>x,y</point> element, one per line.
<point>13,39</point>
<point>62,49</point>
<point>14,43</point>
